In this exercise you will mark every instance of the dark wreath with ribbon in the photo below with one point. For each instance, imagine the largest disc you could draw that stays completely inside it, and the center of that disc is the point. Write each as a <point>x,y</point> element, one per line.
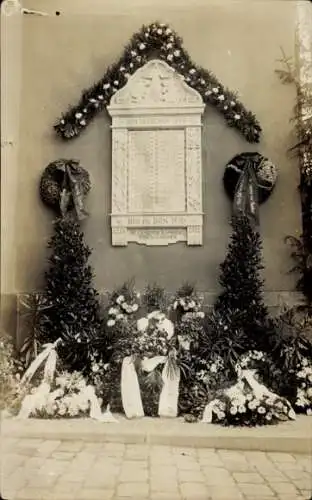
<point>64,185</point>
<point>249,179</point>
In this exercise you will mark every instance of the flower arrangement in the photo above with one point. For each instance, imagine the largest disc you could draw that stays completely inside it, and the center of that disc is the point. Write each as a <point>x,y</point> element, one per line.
<point>154,334</point>
<point>187,303</point>
<point>11,393</point>
<point>123,304</point>
<point>160,39</point>
<point>251,360</point>
<point>303,402</point>
<point>247,403</point>
<point>67,399</point>
<point>154,298</point>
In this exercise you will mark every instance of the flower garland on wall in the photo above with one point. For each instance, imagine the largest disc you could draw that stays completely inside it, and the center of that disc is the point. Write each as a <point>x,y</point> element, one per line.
<point>158,40</point>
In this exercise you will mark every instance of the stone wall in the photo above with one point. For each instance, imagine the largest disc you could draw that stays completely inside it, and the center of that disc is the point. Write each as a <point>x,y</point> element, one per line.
<point>240,42</point>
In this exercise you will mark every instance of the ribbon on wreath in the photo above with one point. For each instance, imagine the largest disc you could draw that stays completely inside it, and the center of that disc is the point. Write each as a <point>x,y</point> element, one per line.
<point>38,398</point>
<point>237,392</point>
<point>71,190</point>
<point>246,197</point>
<point>130,388</point>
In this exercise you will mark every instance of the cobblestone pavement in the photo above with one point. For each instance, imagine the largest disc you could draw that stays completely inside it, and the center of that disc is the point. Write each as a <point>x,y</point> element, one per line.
<point>34,469</point>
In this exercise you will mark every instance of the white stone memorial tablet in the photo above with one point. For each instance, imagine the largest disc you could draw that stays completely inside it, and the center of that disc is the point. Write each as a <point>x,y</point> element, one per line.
<point>156,159</point>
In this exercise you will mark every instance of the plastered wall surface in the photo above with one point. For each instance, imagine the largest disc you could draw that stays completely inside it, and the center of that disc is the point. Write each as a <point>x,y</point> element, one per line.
<point>240,42</point>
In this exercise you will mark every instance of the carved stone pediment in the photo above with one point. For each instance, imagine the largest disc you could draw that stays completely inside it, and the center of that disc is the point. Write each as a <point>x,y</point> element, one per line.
<point>156,159</point>
<point>155,84</point>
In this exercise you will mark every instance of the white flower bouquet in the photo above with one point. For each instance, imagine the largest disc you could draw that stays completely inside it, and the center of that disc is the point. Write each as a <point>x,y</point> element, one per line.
<point>247,403</point>
<point>124,303</point>
<point>154,333</point>
<point>67,398</point>
<point>303,402</point>
<point>150,376</point>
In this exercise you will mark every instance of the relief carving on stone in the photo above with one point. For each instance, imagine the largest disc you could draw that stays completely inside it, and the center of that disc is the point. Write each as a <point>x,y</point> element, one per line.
<point>156,83</point>
<point>156,159</point>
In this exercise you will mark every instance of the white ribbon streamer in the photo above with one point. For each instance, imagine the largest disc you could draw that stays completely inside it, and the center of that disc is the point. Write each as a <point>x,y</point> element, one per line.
<point>168,400</point>
<point>130,388</point>
<point>49,353</point>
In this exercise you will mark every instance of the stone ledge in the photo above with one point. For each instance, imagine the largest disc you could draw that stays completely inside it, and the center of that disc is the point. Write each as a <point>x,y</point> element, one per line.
<point>287,437</point>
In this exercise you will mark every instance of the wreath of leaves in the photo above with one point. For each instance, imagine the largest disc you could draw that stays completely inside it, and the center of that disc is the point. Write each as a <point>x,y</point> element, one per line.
<point>157,40</point>
<point>53,182</point>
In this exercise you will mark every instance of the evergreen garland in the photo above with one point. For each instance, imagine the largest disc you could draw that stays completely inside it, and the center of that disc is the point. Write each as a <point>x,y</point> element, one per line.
<point>157,40</point>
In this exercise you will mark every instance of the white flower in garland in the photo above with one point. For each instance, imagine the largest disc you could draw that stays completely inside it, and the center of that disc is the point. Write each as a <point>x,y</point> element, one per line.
<point>215,90</point>
<point>111,322</point>
<point>170,57</point>
<point>177,53</point>
<point>78,115</point>
<point>237,116</point>
<point>142,46</point>
<point>106,86</point>
<point>221,97</point>
<point>192,71</point>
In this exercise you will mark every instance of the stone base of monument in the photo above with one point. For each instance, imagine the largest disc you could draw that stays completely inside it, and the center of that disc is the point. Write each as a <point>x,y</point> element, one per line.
<point>287,437</point>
